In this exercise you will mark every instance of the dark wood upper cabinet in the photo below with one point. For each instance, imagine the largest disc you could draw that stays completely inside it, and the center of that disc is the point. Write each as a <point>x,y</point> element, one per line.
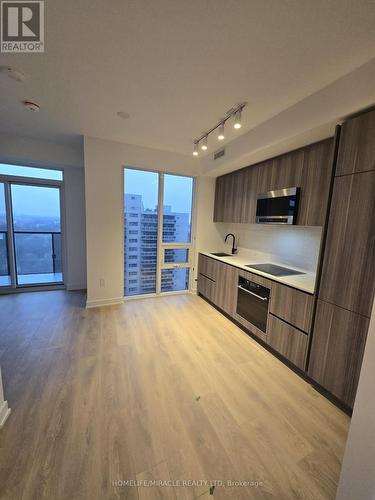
<point>219,207</point>
<point>357,145</point>
<point>349,257</point>
<point>337,350</point>
<point>281,172</point>
<point>315,183</point>
<point>248,202</point>
<point>235,196</point>
<point>309,168</point>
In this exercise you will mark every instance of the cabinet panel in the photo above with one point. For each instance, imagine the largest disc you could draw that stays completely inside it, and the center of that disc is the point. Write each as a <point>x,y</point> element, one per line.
<point>219,207</point>
<point>315,183</point>
<point>337,350</point>
<point>226,288</point>
<point>349,257</point>
<point>206,287</point>
<point>207,266</point>
<point>357,145</point>
<point>264,181</point>
<point>292,305</point>
<point>249,203</point>
<point>288,341</point>
<point>309,168</point>
<point>281,172</point>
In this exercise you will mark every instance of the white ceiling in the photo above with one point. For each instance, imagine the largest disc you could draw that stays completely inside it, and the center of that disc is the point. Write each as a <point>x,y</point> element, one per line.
<point>176,66</point>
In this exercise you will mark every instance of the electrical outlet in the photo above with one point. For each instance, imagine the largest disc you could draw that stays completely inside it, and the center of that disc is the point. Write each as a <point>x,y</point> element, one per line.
<point>101,283</point>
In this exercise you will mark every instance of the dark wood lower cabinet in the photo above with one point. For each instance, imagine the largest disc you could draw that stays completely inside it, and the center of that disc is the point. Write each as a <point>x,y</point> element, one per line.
<point>206,287</point>
<point>292,305</point>
<point>225,295</point>
<point>337,350</point>
<point>287,340</point>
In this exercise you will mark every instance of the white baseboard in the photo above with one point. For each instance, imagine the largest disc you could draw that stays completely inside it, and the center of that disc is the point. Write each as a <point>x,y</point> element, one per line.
<point>104,302</point>
<point>4,413</point>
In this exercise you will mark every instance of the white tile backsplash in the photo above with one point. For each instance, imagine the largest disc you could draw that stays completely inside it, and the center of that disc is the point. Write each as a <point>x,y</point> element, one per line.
<point>296,246</point>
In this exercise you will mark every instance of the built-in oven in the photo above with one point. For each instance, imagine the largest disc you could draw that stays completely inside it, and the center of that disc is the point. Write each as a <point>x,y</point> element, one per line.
<point>278,207</point>
<point>252,303</point>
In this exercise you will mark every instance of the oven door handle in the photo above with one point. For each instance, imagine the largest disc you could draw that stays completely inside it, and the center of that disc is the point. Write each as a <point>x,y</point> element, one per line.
<point>252,293</point>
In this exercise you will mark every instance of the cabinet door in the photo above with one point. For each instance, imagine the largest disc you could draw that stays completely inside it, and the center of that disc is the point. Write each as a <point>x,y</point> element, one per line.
<point>349,257</point>
<point>226,288</point>
<point>219,199</point>
<point>228,197</point>
<point>207,266</point>
<point>249,200</point>
<point>357,145</point>
<point>337,350</point>
<point>264,181</point>
<point>315,183</point>
<point>292,305</point>
<point>206,287</point>
<point>288,341</point>
<point>281,172</point>
<point>287,170</point>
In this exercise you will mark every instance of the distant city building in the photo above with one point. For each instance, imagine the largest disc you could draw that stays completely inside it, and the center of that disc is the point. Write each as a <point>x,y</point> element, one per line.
<point>141,231</point>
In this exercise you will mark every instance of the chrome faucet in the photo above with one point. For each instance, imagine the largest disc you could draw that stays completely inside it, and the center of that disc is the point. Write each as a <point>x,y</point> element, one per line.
<point>234,248</point>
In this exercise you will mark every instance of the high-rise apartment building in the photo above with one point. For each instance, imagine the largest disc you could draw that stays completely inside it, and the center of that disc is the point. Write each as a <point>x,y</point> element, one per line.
<point>141,231</point>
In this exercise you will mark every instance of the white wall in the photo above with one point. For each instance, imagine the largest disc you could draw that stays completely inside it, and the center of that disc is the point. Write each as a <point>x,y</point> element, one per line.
<point>4,410</point>
<point>104,162</point>
<point>75,230</point>
<point>208,236</point>
<point>357,481</point>
<point>32,152</point>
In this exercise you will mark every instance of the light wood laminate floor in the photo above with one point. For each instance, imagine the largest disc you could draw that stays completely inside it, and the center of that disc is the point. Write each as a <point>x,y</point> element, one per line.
<point>155,389</point>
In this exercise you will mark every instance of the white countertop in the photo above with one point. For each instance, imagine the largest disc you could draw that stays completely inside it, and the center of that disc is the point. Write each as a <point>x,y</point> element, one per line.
<point>304,282</point>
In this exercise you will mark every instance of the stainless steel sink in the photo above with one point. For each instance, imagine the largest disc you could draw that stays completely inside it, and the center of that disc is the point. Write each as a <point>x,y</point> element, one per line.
<point>222,254</point>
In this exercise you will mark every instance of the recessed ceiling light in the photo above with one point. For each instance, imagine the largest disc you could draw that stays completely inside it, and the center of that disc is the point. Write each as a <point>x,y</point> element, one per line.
<point>123,115</point>
<point>31,106</point>
<point>13,73</point>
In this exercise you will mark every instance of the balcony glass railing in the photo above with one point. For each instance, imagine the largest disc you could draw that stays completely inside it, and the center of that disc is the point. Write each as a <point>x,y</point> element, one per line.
<point>38,257</point>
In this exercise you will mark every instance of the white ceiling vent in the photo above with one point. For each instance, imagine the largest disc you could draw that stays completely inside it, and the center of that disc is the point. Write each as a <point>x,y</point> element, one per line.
<point>219,154</point>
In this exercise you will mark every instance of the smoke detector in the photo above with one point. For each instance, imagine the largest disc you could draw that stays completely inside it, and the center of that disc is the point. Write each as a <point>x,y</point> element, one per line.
<point>31,106</point>
<point>13,73</point>
<point>123,114</point>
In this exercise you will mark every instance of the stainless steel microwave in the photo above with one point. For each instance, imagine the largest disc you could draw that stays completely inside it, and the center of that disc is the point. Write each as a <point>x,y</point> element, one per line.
<point>278,207</point>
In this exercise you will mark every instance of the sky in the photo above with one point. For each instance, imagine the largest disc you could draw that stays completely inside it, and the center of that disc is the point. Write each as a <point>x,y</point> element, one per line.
<point>35,200</point>
<point>177,189</point>
<point>32,200</point>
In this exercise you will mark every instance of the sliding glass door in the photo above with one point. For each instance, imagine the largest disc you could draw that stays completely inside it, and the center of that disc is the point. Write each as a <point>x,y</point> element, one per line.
<point>37,234</point>
<point>158,222</point>
<point>30,227</point>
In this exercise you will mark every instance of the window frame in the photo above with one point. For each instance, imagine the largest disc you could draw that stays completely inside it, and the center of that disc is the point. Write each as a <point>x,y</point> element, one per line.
<point>189,246</point>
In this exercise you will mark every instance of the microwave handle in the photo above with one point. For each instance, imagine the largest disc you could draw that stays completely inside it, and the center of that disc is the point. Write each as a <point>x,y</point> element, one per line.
<point>252,293</point>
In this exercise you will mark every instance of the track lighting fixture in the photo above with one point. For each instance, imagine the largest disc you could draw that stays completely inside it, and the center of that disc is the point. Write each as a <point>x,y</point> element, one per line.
<point>237,119</point>
<point>221,132</point>
<point>235,112</point>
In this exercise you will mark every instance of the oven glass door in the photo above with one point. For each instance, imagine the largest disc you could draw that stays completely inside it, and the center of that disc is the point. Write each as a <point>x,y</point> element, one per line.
<point>253,309</point>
